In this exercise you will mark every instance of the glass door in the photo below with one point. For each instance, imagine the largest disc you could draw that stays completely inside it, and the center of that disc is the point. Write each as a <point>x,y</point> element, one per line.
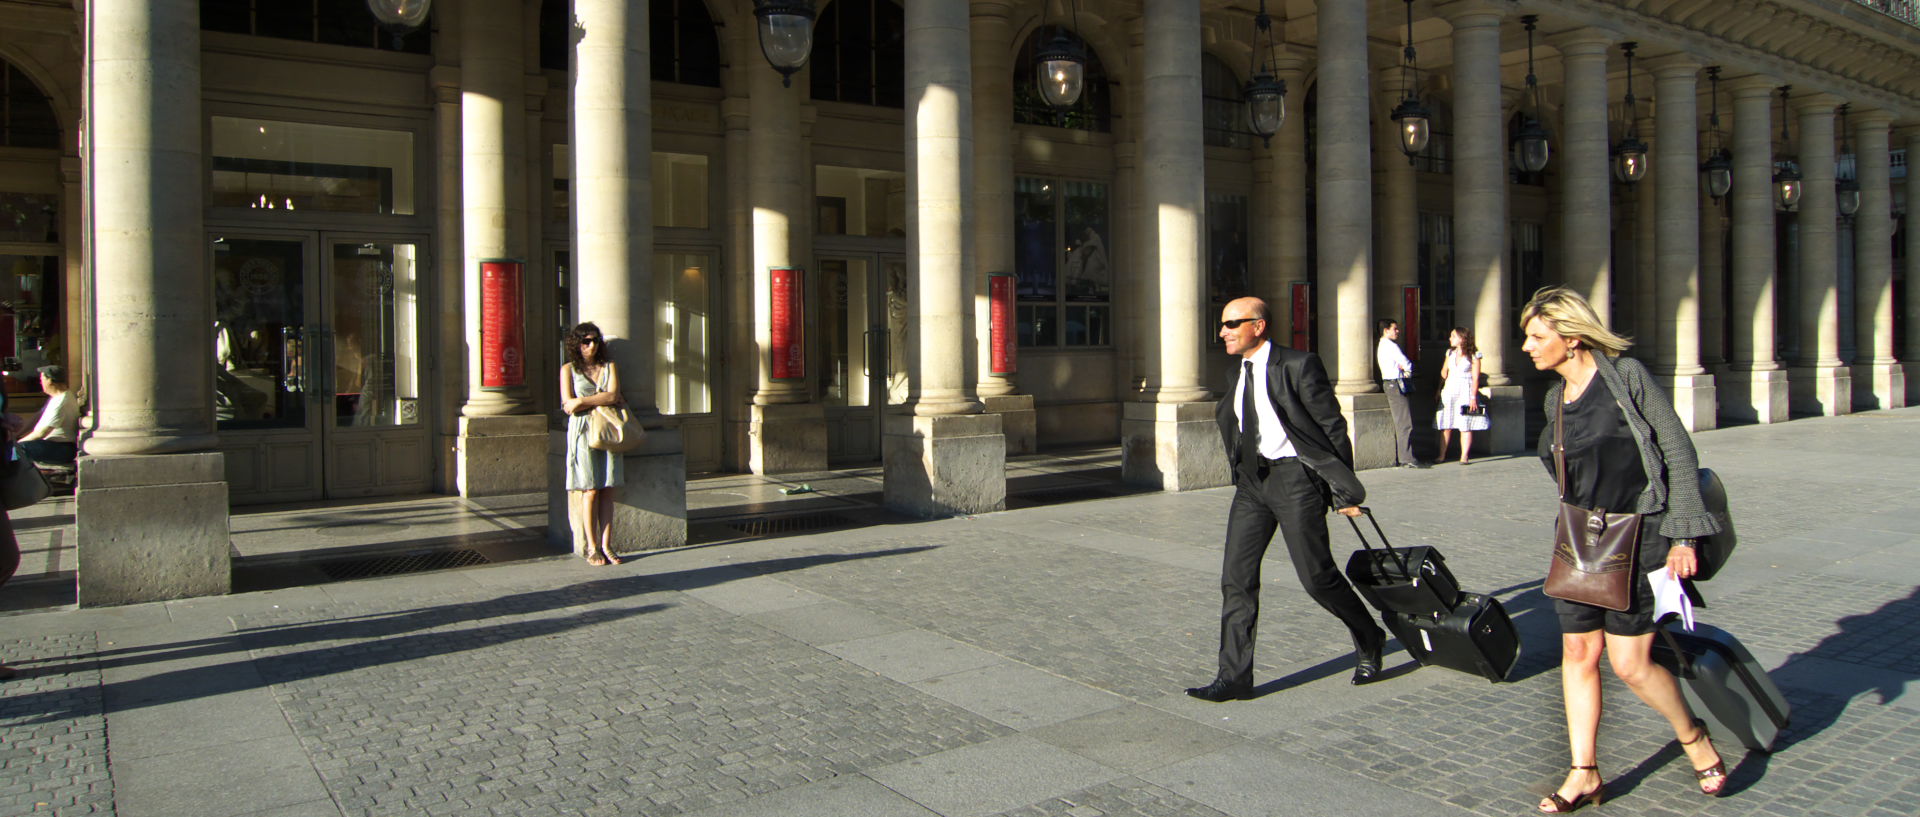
<point>318,366</point>
<point>863,318</point>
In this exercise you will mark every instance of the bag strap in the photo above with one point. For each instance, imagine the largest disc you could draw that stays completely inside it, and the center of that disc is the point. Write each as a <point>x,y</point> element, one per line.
<point>1392,552</point>
<point>1683,663</point>
<point>1559,439</point>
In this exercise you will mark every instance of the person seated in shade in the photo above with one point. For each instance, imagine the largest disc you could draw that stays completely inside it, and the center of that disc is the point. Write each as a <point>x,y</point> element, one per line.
<point>54,439</point>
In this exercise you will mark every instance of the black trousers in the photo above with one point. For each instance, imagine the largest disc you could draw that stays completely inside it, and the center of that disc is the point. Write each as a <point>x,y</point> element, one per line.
<point>1292,499</point>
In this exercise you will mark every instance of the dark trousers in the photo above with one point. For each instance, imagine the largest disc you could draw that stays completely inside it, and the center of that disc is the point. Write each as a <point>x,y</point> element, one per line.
<point>1402,423</point>
<point>49,452</point>
<point>1291,498</point>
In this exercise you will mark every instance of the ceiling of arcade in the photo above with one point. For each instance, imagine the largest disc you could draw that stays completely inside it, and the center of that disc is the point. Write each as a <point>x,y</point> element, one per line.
<point>1847,48</point>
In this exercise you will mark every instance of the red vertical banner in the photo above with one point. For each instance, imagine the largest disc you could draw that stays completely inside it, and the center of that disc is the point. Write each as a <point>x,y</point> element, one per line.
<point>1301,303</point>
<point>503,353</point>
<point>1000,322</point>
<point>1410,321</point>
<point>789,305</point>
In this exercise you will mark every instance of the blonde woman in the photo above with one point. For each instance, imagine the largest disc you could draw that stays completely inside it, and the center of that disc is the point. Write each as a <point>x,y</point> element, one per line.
<point>1625,448</point>
<point>588,381</point>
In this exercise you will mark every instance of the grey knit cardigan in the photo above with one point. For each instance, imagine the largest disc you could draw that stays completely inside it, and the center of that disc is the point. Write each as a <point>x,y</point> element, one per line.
<point>1666,451</point>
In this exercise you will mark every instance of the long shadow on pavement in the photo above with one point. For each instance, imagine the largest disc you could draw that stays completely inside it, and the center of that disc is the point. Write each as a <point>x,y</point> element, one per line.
<point>398,635</point>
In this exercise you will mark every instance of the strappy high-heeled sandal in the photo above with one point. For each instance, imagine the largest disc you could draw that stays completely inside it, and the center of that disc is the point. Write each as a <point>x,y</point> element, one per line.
<point>1718,769</point>
<point>1562,805</point>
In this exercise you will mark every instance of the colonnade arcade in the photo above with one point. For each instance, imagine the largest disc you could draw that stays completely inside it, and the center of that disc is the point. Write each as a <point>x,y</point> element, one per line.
<point>1030,278</point>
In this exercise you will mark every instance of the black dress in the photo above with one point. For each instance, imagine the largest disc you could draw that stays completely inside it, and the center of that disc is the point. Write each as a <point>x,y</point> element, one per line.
<point>1604,471</point>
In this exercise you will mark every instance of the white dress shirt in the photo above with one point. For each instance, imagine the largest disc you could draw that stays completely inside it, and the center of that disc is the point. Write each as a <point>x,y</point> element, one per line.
<point>1274,443</point>
<point>1393,362</point>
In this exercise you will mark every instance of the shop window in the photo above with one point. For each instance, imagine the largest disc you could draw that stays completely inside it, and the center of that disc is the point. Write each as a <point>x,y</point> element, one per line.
<point>859,53</point>
<point>333,22</point>
<point>682,328</point>
<point>679,183</point>
<point>1094,111</point>
<point>1223,109</point>
<point>1227,251</point>
<point>1436,278</point>
<point>269,165</point>
<point>856,201</point>
<point>26,115</point>
<point>684,45</point>
<point>30,288</point>
<point>1062,266</point>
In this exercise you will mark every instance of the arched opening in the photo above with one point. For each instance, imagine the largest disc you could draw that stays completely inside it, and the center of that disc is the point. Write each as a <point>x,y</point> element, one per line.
<point>683,44</point>
<point>313,21</point>
<point>860,54</point>
<point>26,115</point>
<point>1223,111</point>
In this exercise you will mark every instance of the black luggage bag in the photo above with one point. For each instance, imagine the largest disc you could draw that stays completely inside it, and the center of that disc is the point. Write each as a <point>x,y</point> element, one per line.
<point>1724,685</point>
<point>1475,636</point>
<point>1412,580</point>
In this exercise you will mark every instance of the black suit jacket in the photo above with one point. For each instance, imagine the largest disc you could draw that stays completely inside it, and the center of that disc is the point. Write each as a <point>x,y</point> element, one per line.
<point>1303,397</point>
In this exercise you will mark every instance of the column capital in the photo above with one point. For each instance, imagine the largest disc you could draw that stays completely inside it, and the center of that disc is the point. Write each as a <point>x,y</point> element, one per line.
<point>1584,41</point>
<point>1473,13</point>
<point>1816,103</point>
<point>1869,117</point>
<point>1674,66</point>
<point>990,8</point>
<point>1751,85</point>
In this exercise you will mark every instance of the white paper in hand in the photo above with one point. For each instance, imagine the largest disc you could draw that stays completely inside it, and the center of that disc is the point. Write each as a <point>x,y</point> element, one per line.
<point>1670,597</point>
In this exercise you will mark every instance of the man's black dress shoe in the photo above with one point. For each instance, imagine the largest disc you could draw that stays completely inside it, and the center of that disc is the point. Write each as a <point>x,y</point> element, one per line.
<point>1221,691</point>
<point>1367,670</point>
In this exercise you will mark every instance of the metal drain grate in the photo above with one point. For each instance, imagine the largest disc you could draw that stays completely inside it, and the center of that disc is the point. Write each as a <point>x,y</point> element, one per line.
<point>344,569</point>
<point>768,525</point>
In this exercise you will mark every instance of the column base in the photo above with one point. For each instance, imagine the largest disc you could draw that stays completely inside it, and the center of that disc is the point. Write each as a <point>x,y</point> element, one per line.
<point>501,455</point>
<point>944,466</point>
<point>1753,396</point>
<point>1172,446</point>
<point>649,510</point>
<point>1694,399</point>
<point>151,528</point>
<point>1018,421</point>
<point>1820,390</point>
<point>787,438</point>
<point>1506,422</point>
<point>1369,429</point>
<point>1879,386</point>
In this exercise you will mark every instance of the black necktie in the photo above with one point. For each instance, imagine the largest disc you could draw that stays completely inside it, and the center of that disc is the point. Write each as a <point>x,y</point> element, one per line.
<point>1249,420</point>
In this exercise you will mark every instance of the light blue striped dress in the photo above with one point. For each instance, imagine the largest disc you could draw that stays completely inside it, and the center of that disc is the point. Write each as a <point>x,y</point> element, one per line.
<point>589,468</point>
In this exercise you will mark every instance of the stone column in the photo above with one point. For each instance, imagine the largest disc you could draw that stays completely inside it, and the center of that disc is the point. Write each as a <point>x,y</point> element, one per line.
<point>1910,304</point>
<point>1878,379</point>
<point>993,214</point>
<point>503,438</point>
<point>1820,383</point>
<point>152,506</point>
<point>1586,192</point>
<point>1644,323</point>
<point>1675,174</point>
<point>1170,440</point>
<point>787,430</point>
<point>1755,385</point>
<point>1398,252</point>
<point>612,147</point>
<point>1480,213</point>
<point>943,455</point>
<point>1281,194</point>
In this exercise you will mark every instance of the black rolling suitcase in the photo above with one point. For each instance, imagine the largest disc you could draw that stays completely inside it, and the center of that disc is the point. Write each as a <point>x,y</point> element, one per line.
<point>1412,580</point>
<point>1476,636</point>
<point>1724,685</point>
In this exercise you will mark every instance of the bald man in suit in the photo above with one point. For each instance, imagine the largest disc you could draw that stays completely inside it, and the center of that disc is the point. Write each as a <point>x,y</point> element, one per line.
<point>1291,462</point>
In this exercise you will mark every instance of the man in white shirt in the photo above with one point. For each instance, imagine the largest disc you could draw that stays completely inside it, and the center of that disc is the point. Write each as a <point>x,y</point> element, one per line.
<point>54,440</point>
<point>1396,378</point>
<point>1287,444</point>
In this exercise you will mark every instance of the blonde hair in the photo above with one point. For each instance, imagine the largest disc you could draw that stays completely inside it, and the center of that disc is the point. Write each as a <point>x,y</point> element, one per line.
<point>1569,314</point>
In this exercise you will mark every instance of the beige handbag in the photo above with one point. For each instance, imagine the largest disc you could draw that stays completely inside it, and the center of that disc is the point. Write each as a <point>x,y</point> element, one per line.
<point>611,428</point>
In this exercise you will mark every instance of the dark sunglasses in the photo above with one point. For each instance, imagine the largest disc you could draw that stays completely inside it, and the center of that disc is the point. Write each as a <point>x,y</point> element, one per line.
<point>1235,323</point>
<point>585,341</point>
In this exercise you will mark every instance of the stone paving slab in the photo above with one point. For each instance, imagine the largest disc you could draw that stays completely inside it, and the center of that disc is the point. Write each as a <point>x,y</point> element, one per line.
<point>1020,663</point>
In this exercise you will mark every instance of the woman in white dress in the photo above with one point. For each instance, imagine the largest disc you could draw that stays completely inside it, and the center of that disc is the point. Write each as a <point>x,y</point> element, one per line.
<point>1460,394</point>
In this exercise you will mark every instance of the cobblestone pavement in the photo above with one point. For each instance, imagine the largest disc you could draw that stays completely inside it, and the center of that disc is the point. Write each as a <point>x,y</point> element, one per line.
<point>1024,663</point>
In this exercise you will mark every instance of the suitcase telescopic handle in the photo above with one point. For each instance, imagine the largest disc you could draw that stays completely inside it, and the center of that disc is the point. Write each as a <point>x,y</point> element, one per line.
<point>1392,552</point>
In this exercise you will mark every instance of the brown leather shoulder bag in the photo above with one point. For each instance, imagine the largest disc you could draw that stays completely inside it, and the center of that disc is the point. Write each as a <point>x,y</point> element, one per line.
<point>1592,550</point>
